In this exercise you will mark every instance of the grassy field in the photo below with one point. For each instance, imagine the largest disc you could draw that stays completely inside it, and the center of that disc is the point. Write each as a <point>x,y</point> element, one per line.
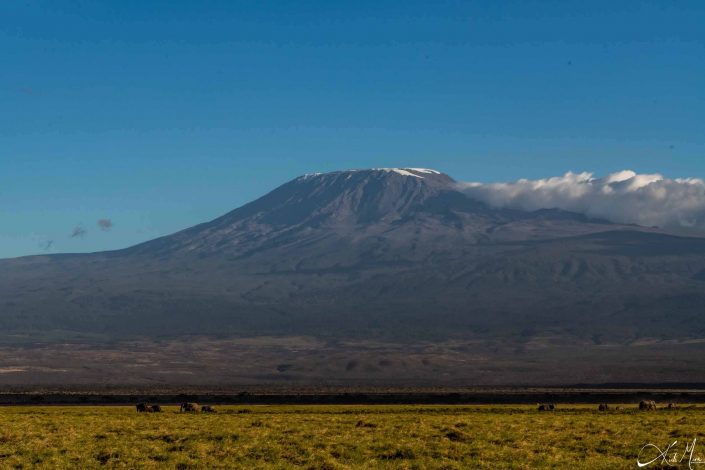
<point>331,437</point>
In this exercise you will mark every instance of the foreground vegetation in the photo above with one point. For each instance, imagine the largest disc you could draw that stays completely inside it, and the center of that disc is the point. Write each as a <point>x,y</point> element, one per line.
<point>331,437</point>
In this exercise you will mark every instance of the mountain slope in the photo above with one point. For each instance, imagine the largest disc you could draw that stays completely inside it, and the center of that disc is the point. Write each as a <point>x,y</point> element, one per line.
<point>372,253</point>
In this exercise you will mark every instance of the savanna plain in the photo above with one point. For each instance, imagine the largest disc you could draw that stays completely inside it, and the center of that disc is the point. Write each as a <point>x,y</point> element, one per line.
<point>342,436</point>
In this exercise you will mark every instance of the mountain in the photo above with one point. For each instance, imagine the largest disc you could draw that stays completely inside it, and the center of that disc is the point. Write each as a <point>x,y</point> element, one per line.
<point>397,256</point>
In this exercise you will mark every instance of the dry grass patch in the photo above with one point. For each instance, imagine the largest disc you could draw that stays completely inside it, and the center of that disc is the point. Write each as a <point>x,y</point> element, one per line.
<point>337,437</point>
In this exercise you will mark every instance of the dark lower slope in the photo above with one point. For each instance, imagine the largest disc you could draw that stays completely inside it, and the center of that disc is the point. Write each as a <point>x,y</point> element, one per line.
<point>612,286</point>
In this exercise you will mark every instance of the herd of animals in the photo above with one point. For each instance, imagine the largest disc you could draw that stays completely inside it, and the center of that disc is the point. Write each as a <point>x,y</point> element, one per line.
<point>644,405</point>
<point>184,408</point>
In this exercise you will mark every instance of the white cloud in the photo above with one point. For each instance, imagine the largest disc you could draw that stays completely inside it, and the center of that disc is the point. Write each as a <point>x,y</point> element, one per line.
<point>622,197</point>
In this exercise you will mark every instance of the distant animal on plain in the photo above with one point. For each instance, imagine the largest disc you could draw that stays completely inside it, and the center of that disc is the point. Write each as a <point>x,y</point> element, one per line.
<point>672,406</point>
<point>145,408</point>
<point>647,405</point>
<point>190,407</point>
<point>207,409</point>
<point>603,407</point>
<point>547,407</point>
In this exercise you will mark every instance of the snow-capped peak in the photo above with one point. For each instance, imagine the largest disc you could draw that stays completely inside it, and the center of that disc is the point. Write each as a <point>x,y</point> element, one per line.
<point>413,172</point>
<point>410,171</point>
<point>425,170</point>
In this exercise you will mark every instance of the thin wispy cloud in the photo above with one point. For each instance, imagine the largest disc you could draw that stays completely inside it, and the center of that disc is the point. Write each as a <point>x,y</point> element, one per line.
<point>621,197</point>
<point>78,232</point>
<point>105,224</point>
<point>46,245</point>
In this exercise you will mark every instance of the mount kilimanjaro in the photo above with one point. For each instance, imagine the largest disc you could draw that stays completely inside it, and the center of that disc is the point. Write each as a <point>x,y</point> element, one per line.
<point>349,265</point>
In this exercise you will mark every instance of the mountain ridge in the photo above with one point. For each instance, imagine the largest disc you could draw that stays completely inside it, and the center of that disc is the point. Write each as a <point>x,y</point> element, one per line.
<point>390,255</point>
<point>369,267</point>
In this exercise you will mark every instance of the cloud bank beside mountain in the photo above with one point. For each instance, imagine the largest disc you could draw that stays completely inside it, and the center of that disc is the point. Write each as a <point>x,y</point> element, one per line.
<point>622,197</point>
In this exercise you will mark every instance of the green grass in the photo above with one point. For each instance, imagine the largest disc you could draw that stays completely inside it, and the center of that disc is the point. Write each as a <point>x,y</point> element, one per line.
<point>331,437</point>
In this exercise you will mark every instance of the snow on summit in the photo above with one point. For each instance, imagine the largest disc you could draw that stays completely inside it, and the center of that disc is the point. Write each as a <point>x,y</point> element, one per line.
<point>414,172</point>
<point>410,171</point>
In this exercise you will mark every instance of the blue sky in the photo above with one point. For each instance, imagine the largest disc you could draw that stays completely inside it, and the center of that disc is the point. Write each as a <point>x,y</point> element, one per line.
<point>159,115</point>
